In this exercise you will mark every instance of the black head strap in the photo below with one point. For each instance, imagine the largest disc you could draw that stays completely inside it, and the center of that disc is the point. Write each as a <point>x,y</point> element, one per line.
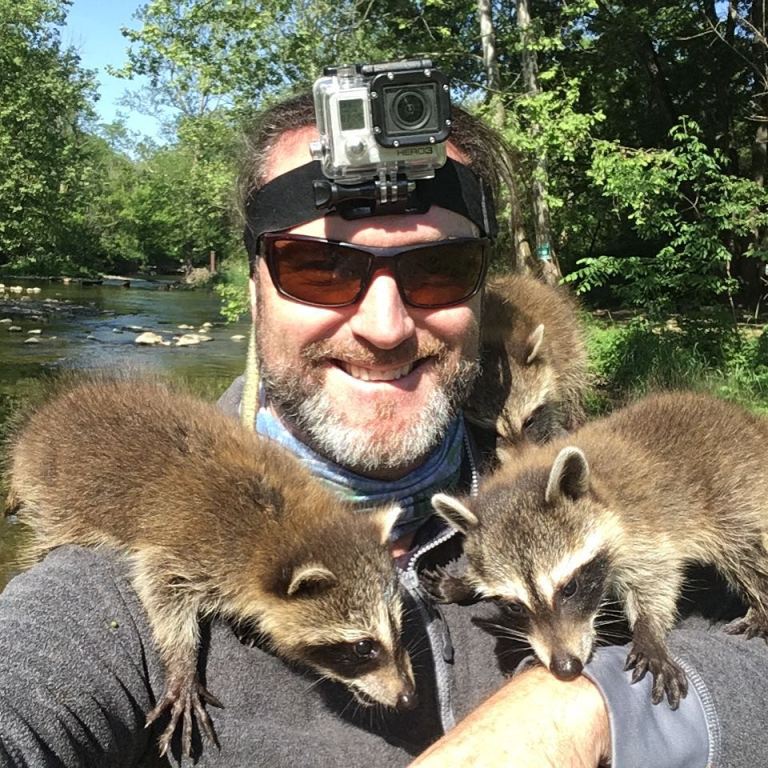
<point>292,199</point>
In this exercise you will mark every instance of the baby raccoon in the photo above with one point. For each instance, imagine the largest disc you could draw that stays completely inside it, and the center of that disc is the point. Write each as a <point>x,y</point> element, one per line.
<point>214,520</point>
<point>534,362</point>
<point>617,510</point>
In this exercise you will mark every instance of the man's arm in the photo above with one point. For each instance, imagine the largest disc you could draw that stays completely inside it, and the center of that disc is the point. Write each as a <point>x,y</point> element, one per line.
<point>74,677</point>
<point>534,721</point>
<point>537,720</point>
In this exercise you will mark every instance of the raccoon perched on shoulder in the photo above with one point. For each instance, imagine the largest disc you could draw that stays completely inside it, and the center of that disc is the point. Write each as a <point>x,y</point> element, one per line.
<point>534,362</point>
<point>214,520</point>
<point>617,510</point>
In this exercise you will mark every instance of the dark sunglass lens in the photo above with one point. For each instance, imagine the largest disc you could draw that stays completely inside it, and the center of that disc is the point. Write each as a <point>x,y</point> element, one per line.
<point>318,272</point>
<point>443,274</point>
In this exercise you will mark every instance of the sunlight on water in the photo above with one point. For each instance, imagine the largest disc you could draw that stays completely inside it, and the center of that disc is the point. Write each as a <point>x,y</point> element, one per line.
<point>84,327</point>
<point>96,326</point>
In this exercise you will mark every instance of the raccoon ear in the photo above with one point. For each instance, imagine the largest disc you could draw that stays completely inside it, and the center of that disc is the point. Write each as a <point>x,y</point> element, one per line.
<point>569,475</point>
<point>385,519</point>
<point>533,343</point>
<point>310,577</point>
<point>454,512</point>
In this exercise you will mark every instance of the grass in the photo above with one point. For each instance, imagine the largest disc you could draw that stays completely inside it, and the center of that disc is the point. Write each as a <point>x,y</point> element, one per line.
<point>631,358</point>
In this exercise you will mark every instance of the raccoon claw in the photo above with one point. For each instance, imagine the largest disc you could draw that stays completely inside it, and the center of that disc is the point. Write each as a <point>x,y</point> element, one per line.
<point>182,696</point>
<point>674,684</point>
<point>433,582</point>
<point>445,587</point>
<point>668,677</point>
<point>749,625</point>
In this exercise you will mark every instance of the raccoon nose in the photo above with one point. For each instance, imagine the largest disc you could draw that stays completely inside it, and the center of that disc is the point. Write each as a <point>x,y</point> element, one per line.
<point>407,700</point>
<point>565,667</point>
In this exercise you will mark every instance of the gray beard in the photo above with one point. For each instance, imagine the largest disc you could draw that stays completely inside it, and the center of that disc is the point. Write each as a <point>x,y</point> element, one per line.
<point>303,402</point>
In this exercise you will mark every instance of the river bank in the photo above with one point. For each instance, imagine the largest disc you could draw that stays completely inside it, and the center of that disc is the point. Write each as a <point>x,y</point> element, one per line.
<point>95,326</point>
<point>50,324</point>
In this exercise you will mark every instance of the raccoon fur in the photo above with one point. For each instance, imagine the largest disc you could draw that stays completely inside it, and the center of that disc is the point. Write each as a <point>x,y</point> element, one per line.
<point>533,362</point>
<point>214,520</point>
<point>616,511</point>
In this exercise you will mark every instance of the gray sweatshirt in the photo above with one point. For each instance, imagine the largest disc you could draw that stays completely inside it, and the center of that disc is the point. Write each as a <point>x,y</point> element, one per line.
<point>78,673</point>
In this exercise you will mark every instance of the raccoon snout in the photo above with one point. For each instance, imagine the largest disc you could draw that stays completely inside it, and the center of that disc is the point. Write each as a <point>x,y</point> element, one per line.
<point>407,700</point>
<point>565,666</point>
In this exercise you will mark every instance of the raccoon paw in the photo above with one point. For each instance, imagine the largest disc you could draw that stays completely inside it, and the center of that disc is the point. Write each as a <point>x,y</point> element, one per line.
<point>750,625</point>
<point>183,696</point>
<point>668,677</point>
<point>444,587</point>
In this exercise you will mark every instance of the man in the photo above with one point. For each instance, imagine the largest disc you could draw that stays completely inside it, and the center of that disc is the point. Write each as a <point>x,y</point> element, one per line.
<point>363,374</point>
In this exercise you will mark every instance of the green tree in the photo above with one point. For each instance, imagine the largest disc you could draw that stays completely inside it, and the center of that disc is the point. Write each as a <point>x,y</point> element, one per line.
<point>110,187</point>
<point>682,199</point>
<point>180,203</point>
<point>44,98</point>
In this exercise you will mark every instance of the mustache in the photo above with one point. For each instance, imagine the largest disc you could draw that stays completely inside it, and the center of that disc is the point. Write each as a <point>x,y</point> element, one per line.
<point>365,354</point>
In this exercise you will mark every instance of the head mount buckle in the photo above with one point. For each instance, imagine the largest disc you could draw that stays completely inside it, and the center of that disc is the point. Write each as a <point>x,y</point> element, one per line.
<point>385,195</point>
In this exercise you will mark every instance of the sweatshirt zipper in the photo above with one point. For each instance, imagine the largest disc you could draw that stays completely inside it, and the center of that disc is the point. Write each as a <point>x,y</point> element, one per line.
<point>437,633</point>
<point>434,622</point>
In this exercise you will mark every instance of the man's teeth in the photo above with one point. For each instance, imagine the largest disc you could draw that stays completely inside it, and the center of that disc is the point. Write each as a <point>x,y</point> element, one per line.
<point>367,374</point>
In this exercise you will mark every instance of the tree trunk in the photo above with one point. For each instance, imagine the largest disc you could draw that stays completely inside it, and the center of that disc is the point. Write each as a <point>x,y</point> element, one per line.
<point>722,130</point>
<point>490,62</point>
<point>549,266</point>
<point>521,254</point>
<point>760,143</point>
<point>751,270</point>
<point>760,99</point>
<point>748,270</point>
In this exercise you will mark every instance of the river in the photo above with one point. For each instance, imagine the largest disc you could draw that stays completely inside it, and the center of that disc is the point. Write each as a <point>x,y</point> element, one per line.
<point>95,326</point>
<point>86,326</point>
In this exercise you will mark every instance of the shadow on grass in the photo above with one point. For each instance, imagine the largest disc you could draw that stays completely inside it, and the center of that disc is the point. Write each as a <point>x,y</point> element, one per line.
<point>703,353</point>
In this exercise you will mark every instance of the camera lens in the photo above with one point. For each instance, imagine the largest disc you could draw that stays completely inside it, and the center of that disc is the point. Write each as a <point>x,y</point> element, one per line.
<point>410,110</point>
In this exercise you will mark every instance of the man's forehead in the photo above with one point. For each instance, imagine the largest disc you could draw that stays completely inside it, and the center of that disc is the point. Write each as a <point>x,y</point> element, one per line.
<point>437,223</point>
<point>290,150</point>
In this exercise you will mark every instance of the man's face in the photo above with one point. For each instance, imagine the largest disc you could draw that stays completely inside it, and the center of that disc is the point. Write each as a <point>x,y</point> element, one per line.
<point>374,385</point>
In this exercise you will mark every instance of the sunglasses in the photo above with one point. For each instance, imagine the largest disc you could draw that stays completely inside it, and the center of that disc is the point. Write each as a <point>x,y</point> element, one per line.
<point>328,273</point>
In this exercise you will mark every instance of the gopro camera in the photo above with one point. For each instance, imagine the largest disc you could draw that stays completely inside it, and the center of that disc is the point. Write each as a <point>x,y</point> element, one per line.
<point>381,125</point>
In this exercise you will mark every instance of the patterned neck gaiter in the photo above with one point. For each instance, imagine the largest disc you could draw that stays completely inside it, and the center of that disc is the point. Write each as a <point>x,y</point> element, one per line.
<point>440,472</point>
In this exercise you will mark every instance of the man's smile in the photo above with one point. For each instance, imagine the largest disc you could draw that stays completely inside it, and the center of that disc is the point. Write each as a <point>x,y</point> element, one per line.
<point>376,374</point>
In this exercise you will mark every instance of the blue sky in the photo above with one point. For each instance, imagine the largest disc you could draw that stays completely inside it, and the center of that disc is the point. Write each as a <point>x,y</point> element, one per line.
<point>93,28</point>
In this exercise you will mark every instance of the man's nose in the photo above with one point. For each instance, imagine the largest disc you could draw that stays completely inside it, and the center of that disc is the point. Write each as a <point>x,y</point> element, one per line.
<point>381,317</point>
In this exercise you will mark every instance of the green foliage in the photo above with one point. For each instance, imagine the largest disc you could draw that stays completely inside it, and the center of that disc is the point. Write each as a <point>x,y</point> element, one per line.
<point>44,97</point>
<point>218,53</point>
<point>633,358</point>
<point>180,203</point>
<point>232,288</point>
<point>682,199</point>
<point>76,202</point>
<point>551,124</point>
<point>651,209</point>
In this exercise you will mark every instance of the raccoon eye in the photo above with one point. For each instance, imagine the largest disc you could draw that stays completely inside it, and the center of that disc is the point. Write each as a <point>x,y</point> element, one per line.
<point>365,649</point>
<point>532,418</point>
<point>516,609</point>
<point>570,589</point>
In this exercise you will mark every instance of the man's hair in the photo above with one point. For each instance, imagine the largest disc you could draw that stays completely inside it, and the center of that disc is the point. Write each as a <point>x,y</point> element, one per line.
<point>486,151</point>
